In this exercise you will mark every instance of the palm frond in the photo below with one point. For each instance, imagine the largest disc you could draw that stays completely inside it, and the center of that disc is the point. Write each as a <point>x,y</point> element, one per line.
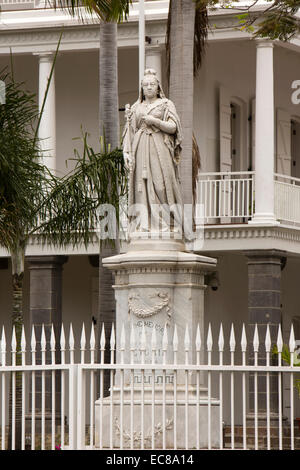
<point>32,200</point>
<point>70,212</point>
<point>196,164</point>
<point>21,173</point>
<point>201,31</point>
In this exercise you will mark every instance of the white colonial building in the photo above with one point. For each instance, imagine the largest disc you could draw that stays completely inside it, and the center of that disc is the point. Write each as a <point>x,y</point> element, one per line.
<point>247,126</point>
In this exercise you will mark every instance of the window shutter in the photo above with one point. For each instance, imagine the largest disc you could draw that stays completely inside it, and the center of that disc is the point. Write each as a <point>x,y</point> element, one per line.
<point>253,103</point>
<point>225,130</point>
<point>283,143</point>
<point>225,154</point>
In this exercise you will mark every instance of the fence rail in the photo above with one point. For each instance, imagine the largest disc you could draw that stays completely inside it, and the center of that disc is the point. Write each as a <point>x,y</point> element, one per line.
<point>143,396</point>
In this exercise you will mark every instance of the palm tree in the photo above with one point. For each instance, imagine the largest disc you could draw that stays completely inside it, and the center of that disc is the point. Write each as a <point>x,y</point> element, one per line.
<point>17,145</point>
<point>109,125</point>
<point>186,35</point>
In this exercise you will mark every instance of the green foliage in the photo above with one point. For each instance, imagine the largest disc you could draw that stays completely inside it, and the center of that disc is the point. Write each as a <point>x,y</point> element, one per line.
<point>69,213</point>
<point>279,24</point>
<point>61,210</point>
<point>201,31</point>
<point>285,354</point>
<point>21,173</point>
<point>276,21</point>
<point>286,357</point>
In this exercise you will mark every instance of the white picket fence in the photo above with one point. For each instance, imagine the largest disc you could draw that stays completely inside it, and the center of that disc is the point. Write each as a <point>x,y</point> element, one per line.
<point>148,404</point>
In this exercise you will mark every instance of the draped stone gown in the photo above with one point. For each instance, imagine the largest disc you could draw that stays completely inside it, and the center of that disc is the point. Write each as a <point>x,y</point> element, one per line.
<point>154,181</point>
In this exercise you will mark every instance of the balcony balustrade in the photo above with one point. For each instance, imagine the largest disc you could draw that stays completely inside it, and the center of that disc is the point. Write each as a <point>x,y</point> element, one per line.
<point>229,198</point>
<point>30,4</point>
<point>226,197</point>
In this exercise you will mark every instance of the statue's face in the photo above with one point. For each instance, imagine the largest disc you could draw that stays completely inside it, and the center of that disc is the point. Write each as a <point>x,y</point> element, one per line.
<point>150,87</point>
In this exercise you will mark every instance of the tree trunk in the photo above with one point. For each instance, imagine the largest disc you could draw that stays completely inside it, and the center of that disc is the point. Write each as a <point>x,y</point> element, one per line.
<point>181,86</point>
<point>17,258</point>
<point>110,129</point>
<point>108,93</point>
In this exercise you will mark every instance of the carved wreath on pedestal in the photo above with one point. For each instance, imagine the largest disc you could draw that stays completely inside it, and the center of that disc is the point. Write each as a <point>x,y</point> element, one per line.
<point>140,309</point>
<point>137,435</point>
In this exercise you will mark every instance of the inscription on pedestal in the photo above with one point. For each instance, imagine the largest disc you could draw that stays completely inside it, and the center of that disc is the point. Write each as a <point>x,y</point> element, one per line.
<point>157,354</point>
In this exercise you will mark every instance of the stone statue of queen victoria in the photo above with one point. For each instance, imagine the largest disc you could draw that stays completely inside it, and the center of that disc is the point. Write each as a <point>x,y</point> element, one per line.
<point>152,150</point>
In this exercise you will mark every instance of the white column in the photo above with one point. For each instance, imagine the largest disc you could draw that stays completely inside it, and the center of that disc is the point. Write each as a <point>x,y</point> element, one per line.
<point>47,130</point>
<point>141,39</point>
<point>264,135</point>
<point>153,59</point>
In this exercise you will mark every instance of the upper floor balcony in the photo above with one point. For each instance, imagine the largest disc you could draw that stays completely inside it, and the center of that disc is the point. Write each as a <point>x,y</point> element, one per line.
<point>229,198</point>
<point>227,207</point>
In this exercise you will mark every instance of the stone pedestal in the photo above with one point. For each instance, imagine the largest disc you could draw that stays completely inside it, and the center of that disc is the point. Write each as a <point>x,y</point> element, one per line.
<point>156,288</point>
<point>168,431</point>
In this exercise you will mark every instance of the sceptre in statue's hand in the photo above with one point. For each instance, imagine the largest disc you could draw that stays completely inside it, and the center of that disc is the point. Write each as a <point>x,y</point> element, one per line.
<point>128,157</point>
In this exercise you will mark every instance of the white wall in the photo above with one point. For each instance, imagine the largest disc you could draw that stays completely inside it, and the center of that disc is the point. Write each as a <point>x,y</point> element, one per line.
<point>77,103</point>
<point>232,65</point>
<point>286,70</point>
<point>229,303</point>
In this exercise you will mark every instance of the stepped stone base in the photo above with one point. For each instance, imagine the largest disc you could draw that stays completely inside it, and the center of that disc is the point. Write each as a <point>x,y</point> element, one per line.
<point>164,426</point>
<point>262,437</point>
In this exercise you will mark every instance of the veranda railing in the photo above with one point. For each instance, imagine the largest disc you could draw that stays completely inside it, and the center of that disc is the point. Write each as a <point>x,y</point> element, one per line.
<point>287,199</point>
<point>145,404</point>
<point>226,196</point>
